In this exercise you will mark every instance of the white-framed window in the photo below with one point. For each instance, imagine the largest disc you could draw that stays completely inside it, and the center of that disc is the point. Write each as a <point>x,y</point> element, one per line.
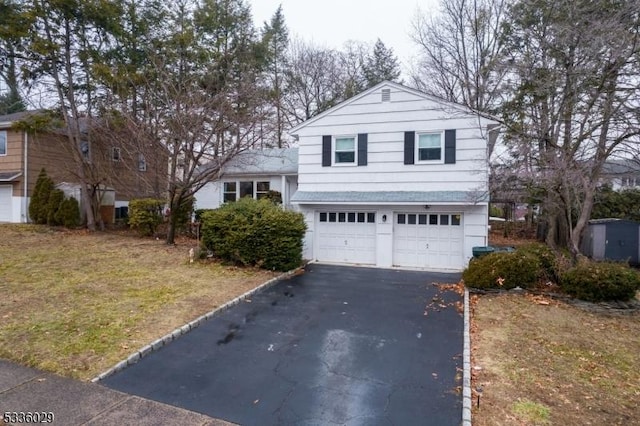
<point>430,148</point>
<point>142,163</point>
<point>262,189</point>
<point>115,153</point>
<point>3,142</point>
<point>344,150</point>
<point>229,192</point>
<point>234,190</point>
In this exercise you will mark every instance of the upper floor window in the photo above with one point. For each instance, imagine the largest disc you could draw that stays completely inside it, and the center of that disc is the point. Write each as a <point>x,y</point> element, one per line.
<point>85,150</point>
<point>142,163</point>
<point>115,154</point>
<point>3,142</point>
<point>429,147</point>
<point>345,150</point>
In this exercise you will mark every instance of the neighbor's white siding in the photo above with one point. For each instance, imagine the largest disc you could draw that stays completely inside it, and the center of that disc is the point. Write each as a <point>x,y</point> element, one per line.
<point>385,124</point>
<point>210,196</point>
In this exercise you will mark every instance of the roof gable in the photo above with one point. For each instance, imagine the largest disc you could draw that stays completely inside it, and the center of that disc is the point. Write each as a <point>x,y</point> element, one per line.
<point>394,87</point>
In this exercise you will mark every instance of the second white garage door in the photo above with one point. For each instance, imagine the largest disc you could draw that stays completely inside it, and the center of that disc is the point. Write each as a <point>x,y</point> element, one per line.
<point>346,237</point>
<point>428,240</point>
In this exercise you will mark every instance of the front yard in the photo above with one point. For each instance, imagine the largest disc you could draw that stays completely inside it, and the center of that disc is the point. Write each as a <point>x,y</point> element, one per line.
<point>539,361</point>
<point>76,303</point>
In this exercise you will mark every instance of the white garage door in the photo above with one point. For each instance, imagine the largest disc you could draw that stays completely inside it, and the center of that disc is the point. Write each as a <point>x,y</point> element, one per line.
<point>428,240</point>
<point>346,237</point>
<point>5,203</point>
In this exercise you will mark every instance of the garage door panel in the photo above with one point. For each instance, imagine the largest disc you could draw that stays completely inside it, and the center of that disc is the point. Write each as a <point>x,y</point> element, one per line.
<point>428,240</point>
<point>346,236</point>
<point>6,202</point>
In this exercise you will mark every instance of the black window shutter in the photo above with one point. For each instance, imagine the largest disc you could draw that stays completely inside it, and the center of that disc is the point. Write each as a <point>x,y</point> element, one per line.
<point>450,146</point>
<point>362,149</point>
<point>409,147</point>
<point>326,151</point>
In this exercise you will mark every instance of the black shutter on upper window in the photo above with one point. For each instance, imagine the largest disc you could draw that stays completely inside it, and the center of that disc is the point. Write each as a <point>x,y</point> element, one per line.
<point>326,151</point>
<point>409,147</point>
<point>450,146</point>
<point>362,149</point>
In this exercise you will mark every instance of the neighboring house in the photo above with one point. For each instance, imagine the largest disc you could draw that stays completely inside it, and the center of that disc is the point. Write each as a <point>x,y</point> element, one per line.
<point>612,239</point>
<point>394,177</point>
<point>622,174</point>
<point>131,173</point>
<point>253,173</point>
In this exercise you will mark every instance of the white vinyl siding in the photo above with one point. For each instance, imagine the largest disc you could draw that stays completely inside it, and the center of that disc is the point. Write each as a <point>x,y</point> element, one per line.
<point>386,170</point>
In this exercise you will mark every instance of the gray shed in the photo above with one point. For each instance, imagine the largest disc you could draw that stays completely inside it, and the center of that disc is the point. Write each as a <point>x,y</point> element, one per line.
<point>612,239</point>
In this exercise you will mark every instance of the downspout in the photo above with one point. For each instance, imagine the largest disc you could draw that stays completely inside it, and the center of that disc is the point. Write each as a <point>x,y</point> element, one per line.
<point>283,193</point>
<point>25,202</point>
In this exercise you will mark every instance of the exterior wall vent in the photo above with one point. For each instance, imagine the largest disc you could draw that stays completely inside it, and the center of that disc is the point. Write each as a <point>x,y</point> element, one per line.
<point>386,95</point>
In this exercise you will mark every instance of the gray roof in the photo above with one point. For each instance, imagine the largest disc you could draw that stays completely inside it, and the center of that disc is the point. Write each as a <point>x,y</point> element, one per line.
<point>622,167</point>
<point>388,197</point>
<point>10,176</point>
<point>8,118</point>
<point>271,161</point>
<point>610,220</point>
<point>17,116</point>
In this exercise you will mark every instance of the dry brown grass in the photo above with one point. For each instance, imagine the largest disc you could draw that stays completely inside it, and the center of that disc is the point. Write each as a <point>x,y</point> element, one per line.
<point>76,303</point>
<point>546,362</point>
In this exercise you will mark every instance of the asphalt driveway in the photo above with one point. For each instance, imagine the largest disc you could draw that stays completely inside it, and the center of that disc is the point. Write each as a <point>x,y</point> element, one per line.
<point>335,345</point>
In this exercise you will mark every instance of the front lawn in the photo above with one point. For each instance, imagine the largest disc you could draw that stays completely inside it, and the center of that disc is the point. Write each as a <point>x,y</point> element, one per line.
<point>540,362</point>
<point>76,303</point>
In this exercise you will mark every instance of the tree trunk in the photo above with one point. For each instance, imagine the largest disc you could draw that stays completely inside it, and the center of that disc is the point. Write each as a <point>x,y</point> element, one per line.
<point>174,208</point>
<point>581,224</point>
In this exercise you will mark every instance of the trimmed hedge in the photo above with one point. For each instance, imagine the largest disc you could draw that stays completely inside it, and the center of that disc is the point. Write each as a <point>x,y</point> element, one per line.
<point>600,281</point>
<point>503,271</point>
<point>145,214</point>
<point>253,232</point>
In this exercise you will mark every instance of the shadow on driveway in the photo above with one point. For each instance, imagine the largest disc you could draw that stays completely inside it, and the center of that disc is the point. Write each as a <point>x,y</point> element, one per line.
<point>335,345</point>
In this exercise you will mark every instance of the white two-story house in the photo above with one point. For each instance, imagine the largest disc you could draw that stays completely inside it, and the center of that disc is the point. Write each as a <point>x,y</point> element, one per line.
<point>394,177</point>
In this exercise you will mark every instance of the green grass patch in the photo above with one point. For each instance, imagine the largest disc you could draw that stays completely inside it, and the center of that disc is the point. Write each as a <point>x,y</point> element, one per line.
<point>531,412</point>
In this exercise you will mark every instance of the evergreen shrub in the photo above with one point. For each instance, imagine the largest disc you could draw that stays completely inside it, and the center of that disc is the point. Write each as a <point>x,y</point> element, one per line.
<point>251,232</point>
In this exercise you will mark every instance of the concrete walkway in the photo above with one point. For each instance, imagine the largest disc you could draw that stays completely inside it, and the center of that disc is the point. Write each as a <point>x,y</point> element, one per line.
<point>73,402</point>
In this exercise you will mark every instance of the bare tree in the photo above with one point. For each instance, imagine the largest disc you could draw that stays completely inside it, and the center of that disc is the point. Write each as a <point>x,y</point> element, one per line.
<point>461,52</point>
<point>576,103</point>
<point>313,82</point>
<point>65,39</point>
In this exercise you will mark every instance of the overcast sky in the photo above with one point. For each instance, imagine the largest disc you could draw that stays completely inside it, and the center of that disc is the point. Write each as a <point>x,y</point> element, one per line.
<point>331,23</point>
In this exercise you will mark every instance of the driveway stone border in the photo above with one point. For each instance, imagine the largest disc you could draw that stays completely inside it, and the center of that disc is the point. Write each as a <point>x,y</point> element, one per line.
<point>466,369</point>
<point>169,337</point>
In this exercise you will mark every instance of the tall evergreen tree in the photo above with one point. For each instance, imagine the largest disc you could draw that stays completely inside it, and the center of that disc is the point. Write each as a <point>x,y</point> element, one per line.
<point>380,65</point>
<point>14,25</point>
<point>276,41</point>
